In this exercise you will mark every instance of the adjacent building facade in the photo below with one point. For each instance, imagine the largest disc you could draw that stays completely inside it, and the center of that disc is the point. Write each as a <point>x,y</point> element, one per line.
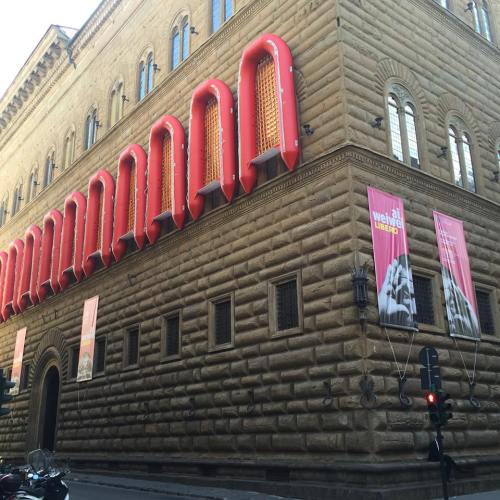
<point>228,340</point>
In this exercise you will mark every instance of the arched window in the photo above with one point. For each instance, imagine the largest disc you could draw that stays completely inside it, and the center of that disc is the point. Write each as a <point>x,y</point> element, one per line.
<point>130,200</point>
<point>211,166</point>
<point>460,146</point>
<point>50,165</point>
<point>267,111</point>
<point>17,198</point>
<point>180,41</point>
<point>91,125</point>
<point>176,51</point>
<point>69,149</point>
<point>222,10</point>
<point>116,103</point>
<point>4,210</point>
<point>166,175</point>
<point>98,222</point>
<point>403,136</point>
<point>443,3</point>
<point>497,173</point>
<point>32,184</point>
<point>481,16</point>
<point>146,75</point>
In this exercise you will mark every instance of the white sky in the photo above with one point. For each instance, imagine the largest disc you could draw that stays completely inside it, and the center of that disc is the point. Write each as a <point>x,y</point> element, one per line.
<point>24,22</point>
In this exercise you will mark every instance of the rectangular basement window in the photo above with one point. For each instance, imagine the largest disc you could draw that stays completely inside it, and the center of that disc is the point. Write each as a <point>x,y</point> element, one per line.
<point>221,322</point>
<point>485,311</point>
<point>131,358</point>
<point>285,305</point>
<point>422,286</point>
<point>25,375</point>
<point>171,336</point>
<point>99,356</point>
<point>74,355</point>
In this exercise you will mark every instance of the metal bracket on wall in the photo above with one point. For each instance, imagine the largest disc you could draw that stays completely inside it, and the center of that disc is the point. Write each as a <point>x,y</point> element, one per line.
<point>472,397</point>
<point>190,412</point>
<point>368,398</point>
<point>251,404</point>
<point>404,399</point>
<point>328,399</point>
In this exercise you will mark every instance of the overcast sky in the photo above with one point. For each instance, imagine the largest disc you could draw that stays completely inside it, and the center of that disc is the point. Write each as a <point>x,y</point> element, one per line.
<point>24,22</point>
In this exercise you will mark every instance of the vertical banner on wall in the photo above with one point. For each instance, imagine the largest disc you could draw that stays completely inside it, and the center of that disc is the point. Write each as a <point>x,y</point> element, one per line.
<point>461,307</point>
<point>396,297</point>
<point>87,339</point>
<point>17,363</point>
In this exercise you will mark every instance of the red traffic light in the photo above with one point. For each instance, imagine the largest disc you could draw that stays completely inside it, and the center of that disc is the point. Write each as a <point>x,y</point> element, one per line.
<point>431,398</point>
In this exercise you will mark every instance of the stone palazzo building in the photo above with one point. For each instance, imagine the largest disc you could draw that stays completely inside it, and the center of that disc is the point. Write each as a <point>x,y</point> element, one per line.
<point>232,347</point>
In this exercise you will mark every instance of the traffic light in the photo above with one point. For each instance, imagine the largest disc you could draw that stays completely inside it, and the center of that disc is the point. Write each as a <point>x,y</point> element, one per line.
<point>432,406</point>
<point>444,408</point>
<point>5,385</point>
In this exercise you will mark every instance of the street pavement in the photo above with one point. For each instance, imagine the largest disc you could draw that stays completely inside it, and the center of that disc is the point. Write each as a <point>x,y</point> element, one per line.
<point>86,491</point>
<point>100,487</point>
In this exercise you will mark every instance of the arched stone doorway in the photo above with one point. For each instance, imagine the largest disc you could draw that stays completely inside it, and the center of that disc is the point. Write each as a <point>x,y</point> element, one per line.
<point>49,371</point>
<point>48,408</point>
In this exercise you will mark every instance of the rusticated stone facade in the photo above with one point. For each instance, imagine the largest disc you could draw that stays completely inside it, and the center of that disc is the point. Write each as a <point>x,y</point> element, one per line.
<point>269,407</point>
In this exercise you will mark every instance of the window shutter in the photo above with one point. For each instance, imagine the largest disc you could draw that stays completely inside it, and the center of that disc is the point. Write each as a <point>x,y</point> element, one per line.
<point>172,332</point>
<point>166,174</point>
<point>99,219</point>
<point>423,298</point>
<point>286,305</point>
<point>133,347</point>
<point>222,322</point>
<point>100,356</point>
<point>131,201</point>
<point>266,104</point>
<point>212,143</point>
<point>485,312</point>
<point>75,354</point>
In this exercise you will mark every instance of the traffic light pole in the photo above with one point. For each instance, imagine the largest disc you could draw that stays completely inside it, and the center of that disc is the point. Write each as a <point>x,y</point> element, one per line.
<point>442,465</point>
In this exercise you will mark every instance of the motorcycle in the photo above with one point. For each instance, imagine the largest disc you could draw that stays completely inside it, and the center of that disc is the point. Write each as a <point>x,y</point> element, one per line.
<point>39,480</point>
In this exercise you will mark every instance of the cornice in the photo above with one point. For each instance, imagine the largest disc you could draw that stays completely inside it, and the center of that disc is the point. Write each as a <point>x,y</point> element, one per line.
<point>42,69</point>
<point>41,83</point>
<point>343,157</point>
<point>420,181</point>
<point>459,27</point>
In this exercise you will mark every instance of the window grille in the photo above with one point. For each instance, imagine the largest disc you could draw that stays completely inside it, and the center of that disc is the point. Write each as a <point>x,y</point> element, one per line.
<point>461,155</point>
<point>99,218</point>
<point>166,174</point>
<point>142,81</point>
<point>286,305</point>
<point>133,346</point>
<point>212,142</point>
<point>172,336</point>
<point>74,358</point>
<point>25,375</point>
<point>222,322</point>
<point>131,201</point>
<point>485,312</point>
<point>422,287</point>
<point>266,112</point>
<point>100,355</point>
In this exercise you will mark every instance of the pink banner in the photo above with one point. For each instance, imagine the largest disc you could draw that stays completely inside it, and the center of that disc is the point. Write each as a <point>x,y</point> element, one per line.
<point>17,363</point>
<point>396,298</point>
<point>87,340</point>
<point>461,307</point>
